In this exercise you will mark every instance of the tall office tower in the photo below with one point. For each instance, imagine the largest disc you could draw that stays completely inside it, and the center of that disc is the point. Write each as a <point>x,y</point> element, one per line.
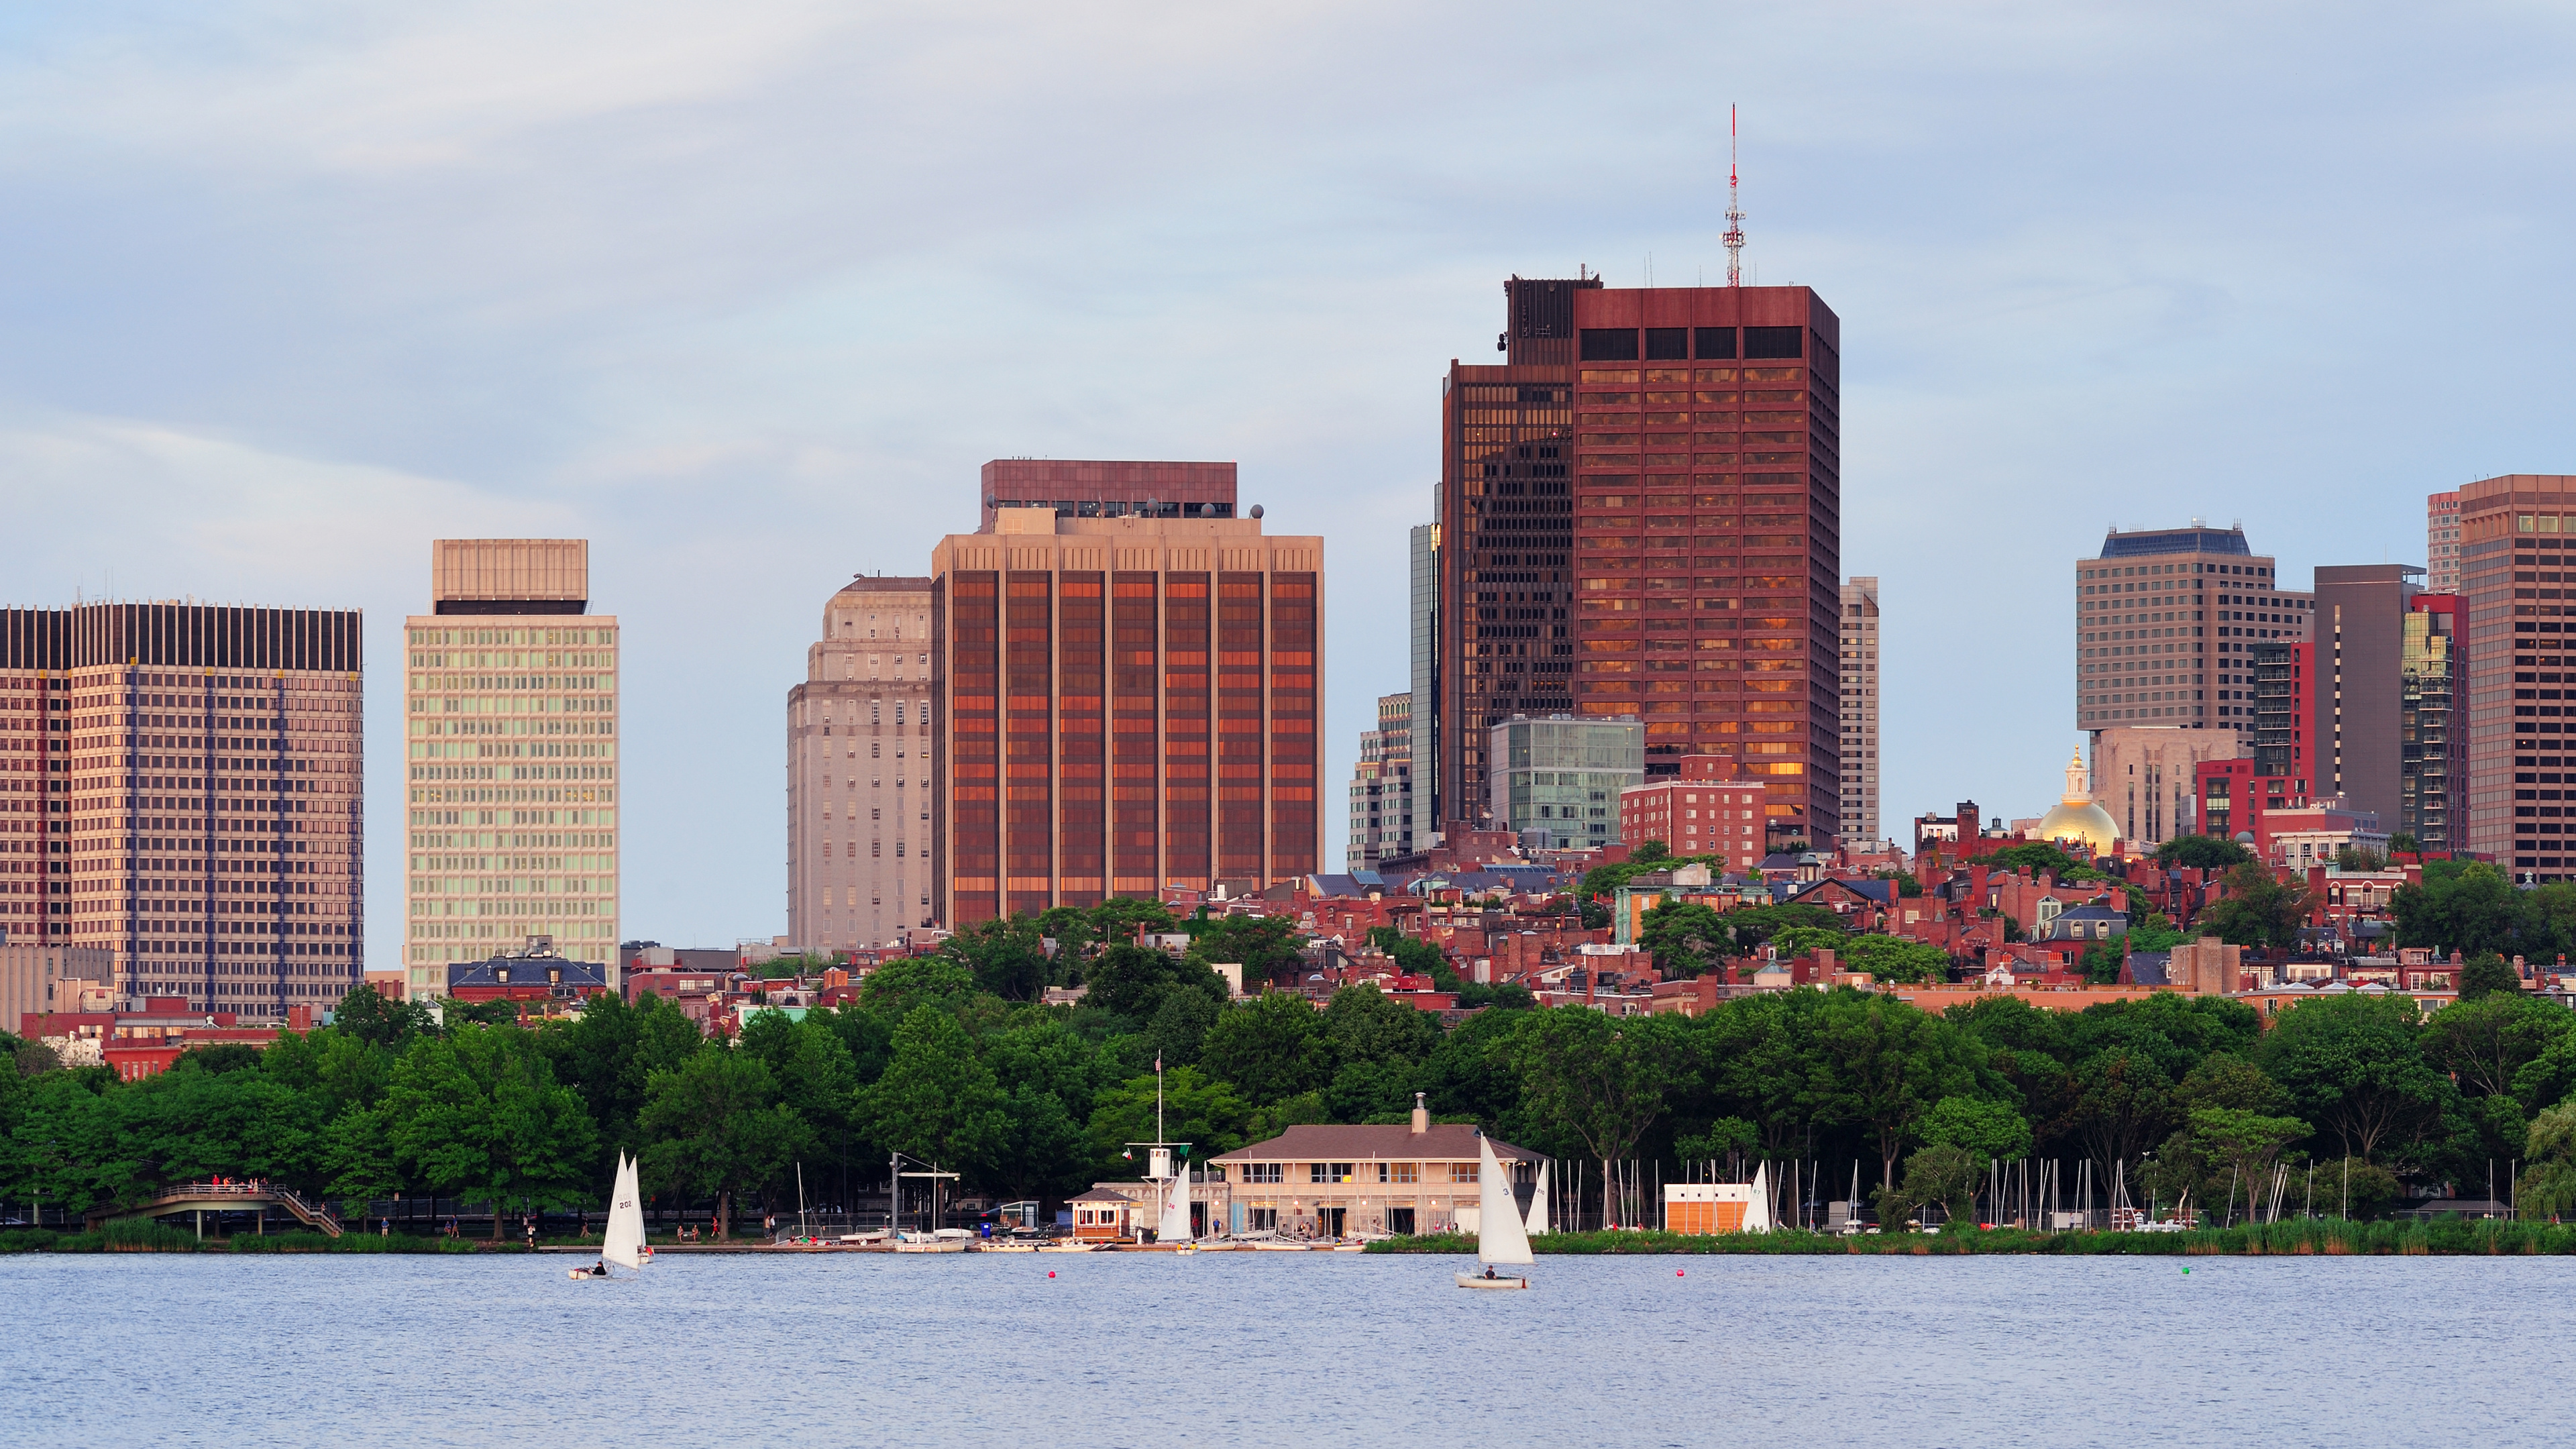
<point>183,788</point>
<point>1381,818</point>
<point>2442,543</point>
<point>2356,711</point>
<point>1707,521</point>
<point>2432,768</point>
<point>1423,706</point>
<point>2285,696</point>
<point>510,722</point>
<point>1505,539</point>
<point>2166,621</point>
<point>1127,704</point>
<point>1859,824</point>
<point>858,770</point>
<point>2514,532</point>
<point>1556,782</point>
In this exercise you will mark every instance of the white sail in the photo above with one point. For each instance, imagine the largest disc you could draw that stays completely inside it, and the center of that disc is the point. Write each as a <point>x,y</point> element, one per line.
<point>625,1239</point>
<point>1175,1224</point>
<point>1538,1205</point>
<point>1499,1236</point>
<point>1757,1213</point>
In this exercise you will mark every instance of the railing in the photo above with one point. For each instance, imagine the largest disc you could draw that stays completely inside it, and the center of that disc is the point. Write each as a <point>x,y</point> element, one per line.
<point>312,1214</point>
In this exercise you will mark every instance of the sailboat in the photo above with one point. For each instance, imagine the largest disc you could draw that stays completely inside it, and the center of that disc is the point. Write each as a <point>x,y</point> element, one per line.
<point>1174,1225</point>
<point>624,1243</point>
<point>1500,1238</point>
<point>1538,1223</point>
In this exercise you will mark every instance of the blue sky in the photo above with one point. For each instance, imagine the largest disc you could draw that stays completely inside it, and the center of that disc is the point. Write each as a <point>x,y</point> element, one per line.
<point>745,293</point>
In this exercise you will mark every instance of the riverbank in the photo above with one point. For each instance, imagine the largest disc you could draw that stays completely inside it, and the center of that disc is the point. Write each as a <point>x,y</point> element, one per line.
<point>154,1238</point>
<point>2328,1237</point>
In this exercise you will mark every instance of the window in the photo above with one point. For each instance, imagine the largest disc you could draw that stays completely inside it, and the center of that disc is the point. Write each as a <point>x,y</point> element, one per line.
<point>1328,1172</point>
<point>1399,1172</point>
<point>1601,344</point>
<point>1716,342</point>
<point>1667,344</point>
<point>1773,341</point>
<point>1261,1219</point>
<point>1462,1172</point>
<point>1261,1172</point>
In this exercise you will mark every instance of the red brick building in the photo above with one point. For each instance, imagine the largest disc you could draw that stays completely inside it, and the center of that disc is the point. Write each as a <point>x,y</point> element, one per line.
<point>1705,810</point>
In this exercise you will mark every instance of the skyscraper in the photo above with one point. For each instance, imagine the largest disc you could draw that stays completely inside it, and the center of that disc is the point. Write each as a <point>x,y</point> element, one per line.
<point>1504,541</point>
<point>2442,543</point>
<point>2514,532</point>
<point>2166,621</point>
<point>1859,824</point>
<point>1556,782</point>
<point>1707,534</point>
<point>1381,804</point>
<point>2433,767</point>
<point>511,724</point>
<point>858,770</point>
<point>1423,704</point>
<point>1127,703</point>
<point>2357,723</point>
<point>183,788</point>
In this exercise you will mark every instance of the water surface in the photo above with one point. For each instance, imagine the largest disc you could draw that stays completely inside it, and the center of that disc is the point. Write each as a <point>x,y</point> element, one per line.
<point>1278,1348</point>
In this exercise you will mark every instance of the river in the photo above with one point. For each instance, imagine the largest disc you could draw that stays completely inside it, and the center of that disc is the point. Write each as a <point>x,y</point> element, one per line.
<point>1277,1348</point>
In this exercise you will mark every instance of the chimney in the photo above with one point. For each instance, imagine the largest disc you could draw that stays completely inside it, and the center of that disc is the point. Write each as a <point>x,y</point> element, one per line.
<point>1421,1116</point>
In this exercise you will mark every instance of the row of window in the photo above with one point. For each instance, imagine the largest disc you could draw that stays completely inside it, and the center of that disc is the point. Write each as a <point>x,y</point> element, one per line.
<point>1680,344</point>
<point>1341,1172</point>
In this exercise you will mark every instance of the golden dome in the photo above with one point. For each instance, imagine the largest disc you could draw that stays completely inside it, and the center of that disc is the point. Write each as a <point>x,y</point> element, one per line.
<point>2077,817</point>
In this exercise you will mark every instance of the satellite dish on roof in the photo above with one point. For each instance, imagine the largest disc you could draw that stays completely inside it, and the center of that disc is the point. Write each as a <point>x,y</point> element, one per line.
<point>1256,510</point>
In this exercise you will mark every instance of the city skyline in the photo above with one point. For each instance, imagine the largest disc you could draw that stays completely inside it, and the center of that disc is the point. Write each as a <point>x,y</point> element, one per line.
<point>471,321</point>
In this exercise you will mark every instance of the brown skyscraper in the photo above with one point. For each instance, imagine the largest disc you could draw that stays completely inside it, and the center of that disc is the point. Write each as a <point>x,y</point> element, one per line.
<point>188,797</point>
<point>1707,533</point>
<point>1505,545</point>
<point>1126,702</point>
<point>2514,537</point>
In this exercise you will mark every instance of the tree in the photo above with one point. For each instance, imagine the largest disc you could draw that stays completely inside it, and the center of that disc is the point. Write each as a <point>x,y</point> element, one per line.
<point>1753,925</point>
<point>2355,1188</point>
<point>1887,1064</point>
<point>896,988</point>
<point>609,1056</point>
<point>2202,852</point>
<point>1686,938</point>
<point>816,1080</point>
<point>2486,1042</point>
<point>1891,958</point>
<point>2469,907</point>
<point>2353,1065</point>
<point>1268,1048</point>
<point>2259,909</point>
<point>479,1110</point>
<point>1600,1079</point>
<point>2548,1185</point>
<point>1265,945</point>
<point>1120,918</point>
<point>1180,1025</point>
<point>2487,974</point>
<point>1796,941</point>
<point>2103,961</point>
<point>714,1127</point>
<point>2124,1101</point>
<point>1989,1129</point>
<point>1207,1115</point>
<point>2037,856</point>
<point>2153,931</point>
<point>1008,957</point>
<point>2244,1143</point>
<point>937,1102</point>
<point>1651,852</point>
<point>1362,1024</point>
<point>1945,1175</point>
<point>1132,981</point>
<point>369,1017</point>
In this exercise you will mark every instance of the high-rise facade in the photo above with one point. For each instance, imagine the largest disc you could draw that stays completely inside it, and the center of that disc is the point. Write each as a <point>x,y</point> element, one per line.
<point>1128,703</point>
<point>511,725</point>
<point>1423,701</point>
<point>2166,622</point>
<point>1381,800</point>
<point>1707,522</point>
<point>1555,782</point>
<point>858,770</point>
<point>2514,536</point>
<point>1504,541</point>
<point>1859,823</point>
<point>184,789</point>
<point>2433,764</point>
<point>2357,709</point>
<point>2144,777</point>
<point>2442,543</point>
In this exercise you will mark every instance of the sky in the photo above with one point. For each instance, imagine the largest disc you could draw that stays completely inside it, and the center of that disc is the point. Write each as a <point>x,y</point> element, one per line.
<point>745,293</point>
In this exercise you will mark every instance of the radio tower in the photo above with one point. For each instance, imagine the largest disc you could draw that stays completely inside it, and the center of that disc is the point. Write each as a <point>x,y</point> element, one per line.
<point>1734,213</point>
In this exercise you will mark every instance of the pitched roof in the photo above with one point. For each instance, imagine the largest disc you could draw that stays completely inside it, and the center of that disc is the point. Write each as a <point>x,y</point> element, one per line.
<point>1392,1142</point>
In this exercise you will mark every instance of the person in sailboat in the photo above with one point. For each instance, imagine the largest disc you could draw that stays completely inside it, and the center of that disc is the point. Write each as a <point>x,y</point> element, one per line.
<point>1489,1270</point>
<point>598,1269</point>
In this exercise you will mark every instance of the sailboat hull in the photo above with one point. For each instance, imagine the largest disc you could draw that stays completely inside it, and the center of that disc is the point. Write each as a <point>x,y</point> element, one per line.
<point>1479,1280</point>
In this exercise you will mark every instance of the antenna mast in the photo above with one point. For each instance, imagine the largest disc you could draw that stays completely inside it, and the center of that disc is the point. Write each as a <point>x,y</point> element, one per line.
<point>1734,213</point>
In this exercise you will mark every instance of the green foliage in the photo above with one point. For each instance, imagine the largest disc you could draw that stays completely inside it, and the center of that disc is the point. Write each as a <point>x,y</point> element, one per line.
<point>1008,957</point>
<point>2548,1185</point>
<point>2102,962</point>
<point>2202,852</point>
<point>2354,1188</point>
<point>1603,1078</point>
<point>367,1016</point>
<point>893,990</point>
<point>2258,909</point>
<point>1799,940</point>
<point>2353,1065</point>
<point>2471,907</point>
<point>2036,856</point>
<point>2488,974</point>
<point>1754,925</point>
<point>2154,931</point>
<point>1988,1129</point>
<point>479,1111</point>
<point>2403,843</point>
<point>1651,852</point>
<point>714,1126</point>
<point>1133,981</point>
<point>1891,958</point>
<point>1265,945</point>
<point>937,1102</point>
<point>1203,1113</point>
<point>1686,938</point>
<point>1945,1175</point>
<point>1268,1047</point>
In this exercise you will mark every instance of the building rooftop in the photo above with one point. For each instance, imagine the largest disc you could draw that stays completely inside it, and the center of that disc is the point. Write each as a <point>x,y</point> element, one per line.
<point>1392,1142</point>
<point>2196,539</point>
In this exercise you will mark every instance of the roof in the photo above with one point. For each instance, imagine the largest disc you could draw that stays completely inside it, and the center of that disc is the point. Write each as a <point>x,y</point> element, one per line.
<point>527,971</point>
<point>1102,1194</point>
<point>2147,542</point>
<point>1881,891</point>
<point>2148,968</point>
<point>1354,884</point>
<point>2092,913</point>
<point>1390,1142</point>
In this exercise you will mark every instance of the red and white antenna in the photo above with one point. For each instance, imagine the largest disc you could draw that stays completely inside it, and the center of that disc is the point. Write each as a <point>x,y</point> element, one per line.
<point>1734,213</point>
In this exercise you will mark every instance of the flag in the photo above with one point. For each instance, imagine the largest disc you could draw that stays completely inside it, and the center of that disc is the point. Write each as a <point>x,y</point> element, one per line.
<point>1158,1061</point>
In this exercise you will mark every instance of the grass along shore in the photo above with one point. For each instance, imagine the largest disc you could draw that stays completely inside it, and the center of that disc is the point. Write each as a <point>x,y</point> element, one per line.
<point>2296,1237</point>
